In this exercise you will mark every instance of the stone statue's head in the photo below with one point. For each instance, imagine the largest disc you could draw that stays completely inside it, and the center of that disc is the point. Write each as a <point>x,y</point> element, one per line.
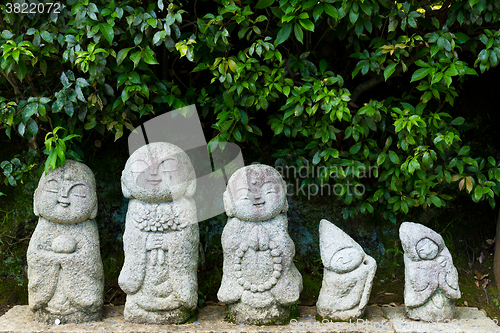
<point>427,249</point>
<point>421,243</point>
<point>67,195</point>
<point>255,193</point>
<point>346,259</point>
<point>158,172</point>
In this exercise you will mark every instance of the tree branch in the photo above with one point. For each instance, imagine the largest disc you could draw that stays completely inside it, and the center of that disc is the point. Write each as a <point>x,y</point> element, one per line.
<point>13,83</point>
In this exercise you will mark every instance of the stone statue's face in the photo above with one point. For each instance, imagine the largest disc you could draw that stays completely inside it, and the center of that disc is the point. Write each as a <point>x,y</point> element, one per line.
<point>66,195</point>
<point>257,195</point>
<point>346,260</point>
<point>427,249</point>
<point>154,175</point>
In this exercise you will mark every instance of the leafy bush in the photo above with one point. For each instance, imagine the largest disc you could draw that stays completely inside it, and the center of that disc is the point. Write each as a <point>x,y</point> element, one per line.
<point>339,86</point>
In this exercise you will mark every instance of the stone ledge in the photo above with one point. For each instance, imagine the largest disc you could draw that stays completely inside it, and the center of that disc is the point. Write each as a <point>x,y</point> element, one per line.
<point>211,319</point>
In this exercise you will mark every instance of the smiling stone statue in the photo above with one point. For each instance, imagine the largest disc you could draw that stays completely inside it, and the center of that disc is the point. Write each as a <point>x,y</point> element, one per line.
<point>431,280</point>
<point>259,281</point>
<point>348,275</point>
<point>65,272</point>
<point>161,236</point>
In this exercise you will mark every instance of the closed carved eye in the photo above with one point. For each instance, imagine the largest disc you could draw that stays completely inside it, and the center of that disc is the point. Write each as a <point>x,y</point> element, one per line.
<point>269,188</point>
<point>79,190</point>
<point>168,165</point>
<point>52,186</point>
<point>139,166</point>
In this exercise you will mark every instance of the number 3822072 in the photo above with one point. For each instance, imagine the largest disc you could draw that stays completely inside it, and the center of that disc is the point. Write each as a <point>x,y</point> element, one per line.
<point>33,8</point>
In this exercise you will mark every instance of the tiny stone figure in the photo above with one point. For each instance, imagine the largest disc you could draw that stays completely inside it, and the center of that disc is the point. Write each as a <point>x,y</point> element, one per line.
<point>259,281</point>
<point>161,237</point>
<point>348,275</point>
<point>431,280</point>
<point>65,273</point>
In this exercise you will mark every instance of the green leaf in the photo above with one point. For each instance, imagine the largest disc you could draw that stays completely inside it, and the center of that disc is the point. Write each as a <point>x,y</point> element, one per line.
<point>435,200</point>
<point>21,129</point>
<point>228,99</point>
<point>68,108</point>
<point>136,57</point>
<point>353,16</point>
<point>323,64</point>
<point>81,82</point>
<point>284,33</point>
<point>299,34</point>
<point>478,193</point>
<point>381,158</point>
<point>32,126</point>
<point>6,34</point>
<point>318,10</point>
<point>79,94</point>
<point>354,149</point>
<point>107,32</point>
<point>389,70</point>
<point>122,54</point>
<point>264,4</point>
<point>316,158</point>
<point>138,39</point>
<point>65,80</point>
<point>461,37</point>
<point>308,25</point>
<point>331,10</point>
<point>393,157</point>
<point>473,2</point>
<point>149,56</point>
<point>43,66</point>
<point>458,121</point>
<point>47,36</point>
<point>28,111</point>
<point>420,74</point>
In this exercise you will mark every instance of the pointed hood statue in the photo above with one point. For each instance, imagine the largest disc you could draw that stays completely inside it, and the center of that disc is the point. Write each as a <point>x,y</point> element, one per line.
<point>348,275</point>
<point>431,280</point>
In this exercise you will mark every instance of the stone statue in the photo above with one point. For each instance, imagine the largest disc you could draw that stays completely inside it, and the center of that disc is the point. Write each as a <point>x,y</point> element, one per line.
<point>348,275</point>
<point>259,281</point>
<point>65,272</point>
<point>431,280</point>
<point>161,236</point>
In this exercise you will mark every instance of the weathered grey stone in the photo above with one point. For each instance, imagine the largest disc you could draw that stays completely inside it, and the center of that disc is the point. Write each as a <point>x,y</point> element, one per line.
<point>211,319</point>
<point>431,280</point>
<point>65,272</point>
<point>161,236</point>
<point>347,277</point>
<point>259,281</point>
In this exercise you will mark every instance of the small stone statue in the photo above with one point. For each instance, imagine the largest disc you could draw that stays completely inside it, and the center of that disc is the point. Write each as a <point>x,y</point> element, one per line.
<point>65,272</point>
<point>259,281</point>
<point>161,236</point>
<point>431,280</point>
<point>348,275</point>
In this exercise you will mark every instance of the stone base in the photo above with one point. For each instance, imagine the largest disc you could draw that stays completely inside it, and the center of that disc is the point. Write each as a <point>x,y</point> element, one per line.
<point>245,314</point>
<point>346,315</point>
<point>76,317</point>
<point>135,314</point>
<point>437,308</point>
<point>210,319</point>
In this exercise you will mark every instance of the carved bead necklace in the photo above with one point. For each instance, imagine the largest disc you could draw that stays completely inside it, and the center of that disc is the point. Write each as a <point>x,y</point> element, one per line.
<point>277,268</point>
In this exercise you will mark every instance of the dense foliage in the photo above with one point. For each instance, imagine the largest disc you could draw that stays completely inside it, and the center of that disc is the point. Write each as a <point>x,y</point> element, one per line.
<point>340,86</point>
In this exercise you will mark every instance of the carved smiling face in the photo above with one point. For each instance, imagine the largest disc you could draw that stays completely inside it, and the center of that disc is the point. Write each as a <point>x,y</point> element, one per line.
<point>256,194</point>
<point>346,260</point>
<point>67,195</point>
<point>427,249</point>
<point>158,172</point>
